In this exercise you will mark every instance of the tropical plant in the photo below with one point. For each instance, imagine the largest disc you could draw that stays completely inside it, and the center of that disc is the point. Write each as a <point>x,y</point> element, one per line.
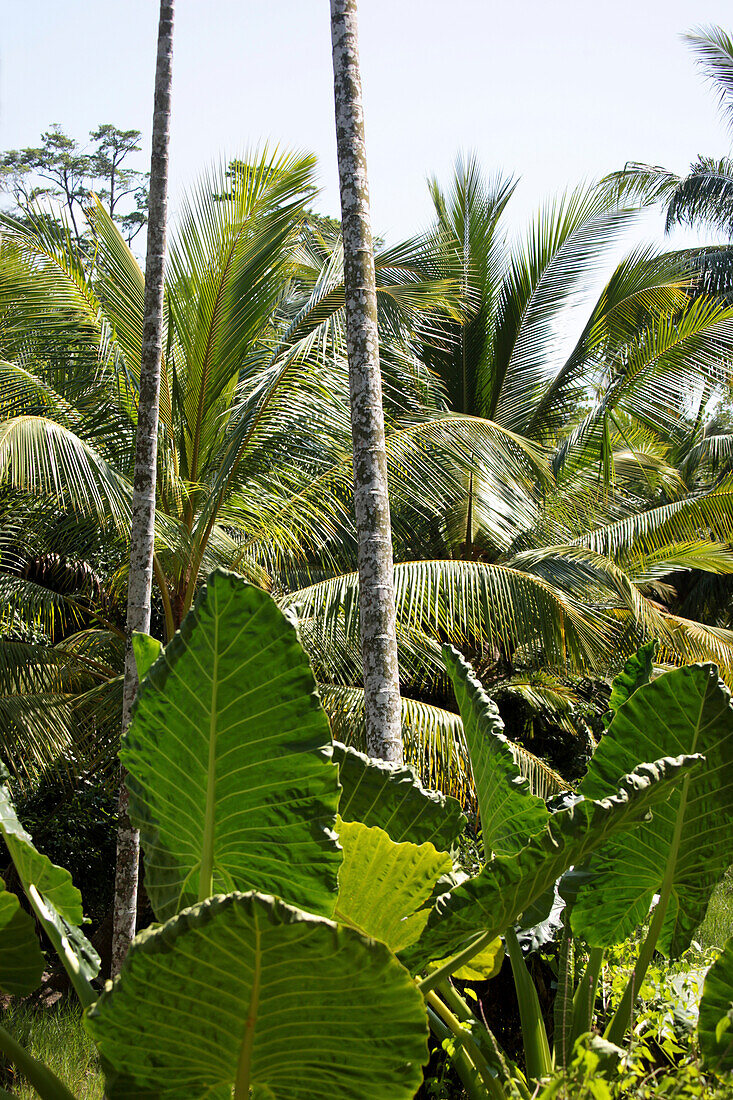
<point>234,788</point>
<point>563,575</point>
<point>668,866</point>
<point>61,173</point>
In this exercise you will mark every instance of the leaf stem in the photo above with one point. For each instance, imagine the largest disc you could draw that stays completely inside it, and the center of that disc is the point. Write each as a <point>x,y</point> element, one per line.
<point>83,988</point>
<point>244,1066</point>
<point>585,994</point>
<point>463,1036</point>
<point>614,1033</point>
<point>536,1045</point>
<point>455,962</point>
<point>462,1064</point>
<point>206,875</point>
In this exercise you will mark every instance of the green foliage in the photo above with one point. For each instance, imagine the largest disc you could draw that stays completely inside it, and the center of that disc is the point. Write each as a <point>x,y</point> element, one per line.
<point>392,798</point>
<point>76,828</point>
<point>229,748</point>
<point>716,1013</point>
<point>686,849</point>
<point>383,885</point>
<point>506,886</point>
<point>286,1019</point>
<point>510,814</point>
<point>60,170</point>
<point>56,1036</point>
<point>233,782</point>
<point>636,671</point>
<point>21,961</point>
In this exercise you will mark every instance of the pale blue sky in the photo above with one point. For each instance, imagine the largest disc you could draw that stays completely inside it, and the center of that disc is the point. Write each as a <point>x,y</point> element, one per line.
<point>553,92</point>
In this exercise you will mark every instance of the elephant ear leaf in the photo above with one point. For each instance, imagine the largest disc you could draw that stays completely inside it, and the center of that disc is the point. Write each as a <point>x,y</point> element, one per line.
<point>383,886</point>
<point>245,995</point>
<point>682,853</point>
<point>507,886</point>
<point>636,672</point>
<point>229,759</point>
<point>392,798</point>
<point>715,1022</point>
<point>21,959</point>
<point>55,900</point>
<point>510,813</point>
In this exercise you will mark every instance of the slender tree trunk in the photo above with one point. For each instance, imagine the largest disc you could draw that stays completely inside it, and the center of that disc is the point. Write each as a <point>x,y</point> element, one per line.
<point>371,500</point>
<point>146,452</point>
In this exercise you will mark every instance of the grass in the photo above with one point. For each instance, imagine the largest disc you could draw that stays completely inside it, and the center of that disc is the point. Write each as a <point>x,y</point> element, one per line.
<point>718,924</point>
<point>55,1036</point>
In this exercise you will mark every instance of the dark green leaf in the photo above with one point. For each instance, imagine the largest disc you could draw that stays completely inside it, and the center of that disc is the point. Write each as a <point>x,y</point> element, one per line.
<point>229,759</point>
<point>393,798</point>
<point>689,842</point>
<point>247,989</point>
<point>510,813</point>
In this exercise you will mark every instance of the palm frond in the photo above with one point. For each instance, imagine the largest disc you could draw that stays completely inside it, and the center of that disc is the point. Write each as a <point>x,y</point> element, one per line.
<point>434,744</point>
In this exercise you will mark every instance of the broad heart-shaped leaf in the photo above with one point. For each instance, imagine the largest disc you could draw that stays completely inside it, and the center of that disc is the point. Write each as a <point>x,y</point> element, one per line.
<point>689,842</point>
<point>383,885</point>
<point>54,898</point>
<point>244,991</point>
<point>510,813</point>
<point>21,959</point>
<point>715,1022</point>
<point>636,671</point>
<point>392,797</point>
<point>508,885</point>
<point>229,759</point>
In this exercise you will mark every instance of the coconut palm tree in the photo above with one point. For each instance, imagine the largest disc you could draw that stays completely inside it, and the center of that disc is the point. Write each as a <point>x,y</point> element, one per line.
<point>142,527</point>
<point>703,199</point>
<point>371,494</point>
<point>562,572</point>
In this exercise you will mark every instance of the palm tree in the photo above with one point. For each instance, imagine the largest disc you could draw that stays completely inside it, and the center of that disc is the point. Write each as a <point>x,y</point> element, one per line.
<point>562,573</point>
<point>142,528</point>
<point>371,496</point>
<point>702,199</point>
<point>536,579</point>
<point>253,395</point>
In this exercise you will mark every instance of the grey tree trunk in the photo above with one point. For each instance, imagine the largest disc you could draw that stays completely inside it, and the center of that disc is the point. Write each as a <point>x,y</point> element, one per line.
<point>371,500</point>
<point>142,531</point>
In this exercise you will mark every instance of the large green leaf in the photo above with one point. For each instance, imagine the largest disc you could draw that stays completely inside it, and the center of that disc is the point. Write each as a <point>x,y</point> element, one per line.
<point>393,798</point>
<point>21,960</point>
<point>684,850</point>
<point>715,1022</point>
<point>55,900</point>
<point>383,885</point>
<point>229,759</point>
<point>507,886</point>
<point>244,991</point>
<point>510,813</point>
<point>636,671</point>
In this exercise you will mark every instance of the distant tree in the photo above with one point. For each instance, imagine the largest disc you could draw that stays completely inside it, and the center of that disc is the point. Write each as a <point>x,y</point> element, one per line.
<point>60,170</point>
<point>113,147</point>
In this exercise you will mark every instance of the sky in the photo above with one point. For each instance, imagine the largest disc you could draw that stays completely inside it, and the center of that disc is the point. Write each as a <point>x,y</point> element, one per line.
<point>552,93</point>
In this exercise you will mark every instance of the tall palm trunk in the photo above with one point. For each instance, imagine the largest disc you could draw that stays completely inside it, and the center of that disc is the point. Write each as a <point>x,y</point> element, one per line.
<point>371,500</point>
<point>146,452</point>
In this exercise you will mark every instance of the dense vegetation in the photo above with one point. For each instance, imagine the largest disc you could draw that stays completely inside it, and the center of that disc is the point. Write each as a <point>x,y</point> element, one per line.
<point>537,905</point>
